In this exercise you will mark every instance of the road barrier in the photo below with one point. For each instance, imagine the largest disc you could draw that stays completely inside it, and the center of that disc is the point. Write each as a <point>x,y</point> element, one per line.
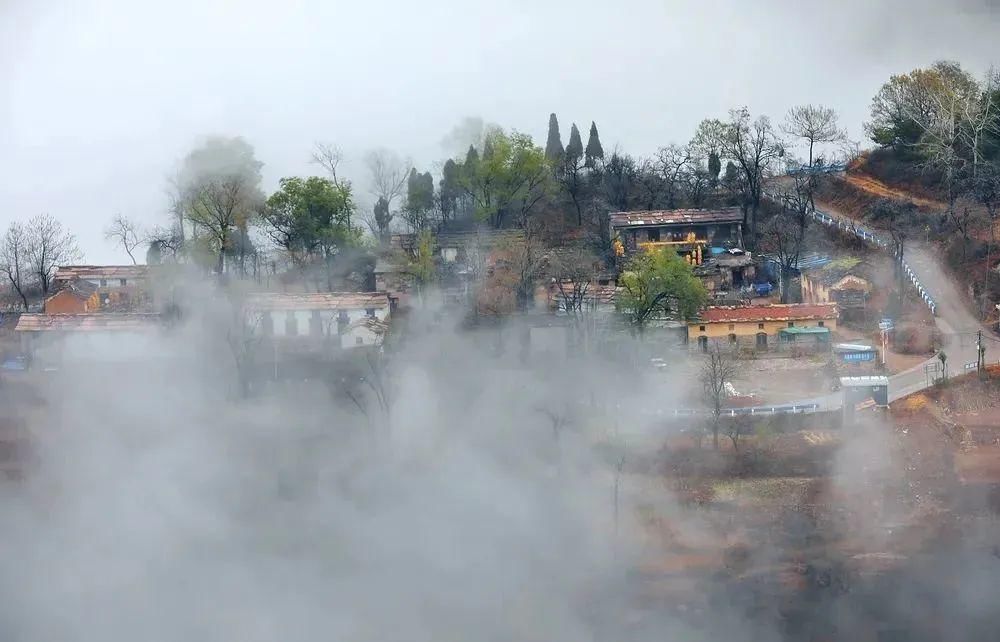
<point>850,227</point>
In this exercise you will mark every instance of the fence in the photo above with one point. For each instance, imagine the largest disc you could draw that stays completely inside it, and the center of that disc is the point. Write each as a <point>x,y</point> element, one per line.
<point>871,238</point>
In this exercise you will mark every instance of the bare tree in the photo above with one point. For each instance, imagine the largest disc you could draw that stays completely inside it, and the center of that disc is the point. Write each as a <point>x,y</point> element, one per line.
<point>14,260</point>
<point>49,246</point>
<point>815,124</point>
<point>123,231</point>
<point>753,146</point>
<point>388,176</point>
<point>672,162</point>
<point>784,233</point>
<point>329,156</point>
<point>718,369</point>
<point>244,338</point>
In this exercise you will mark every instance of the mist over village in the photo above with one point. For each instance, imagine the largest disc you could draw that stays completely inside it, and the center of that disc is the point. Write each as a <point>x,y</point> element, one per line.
<point>535,321</point>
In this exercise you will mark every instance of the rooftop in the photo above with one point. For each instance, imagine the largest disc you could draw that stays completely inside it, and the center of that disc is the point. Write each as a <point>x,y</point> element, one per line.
<point>89,322</point>
<point>318,301</point>
<point>676,217</point>
<point>80,289</point>
<point>70,272</point>
<point>775,312</point>
<point>837,269</point>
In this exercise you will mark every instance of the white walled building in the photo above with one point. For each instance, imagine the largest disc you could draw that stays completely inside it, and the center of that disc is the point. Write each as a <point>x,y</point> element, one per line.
<point>352,318</point>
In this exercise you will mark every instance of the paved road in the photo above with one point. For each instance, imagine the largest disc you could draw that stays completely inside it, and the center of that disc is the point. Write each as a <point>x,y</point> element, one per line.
<point>954,318</point>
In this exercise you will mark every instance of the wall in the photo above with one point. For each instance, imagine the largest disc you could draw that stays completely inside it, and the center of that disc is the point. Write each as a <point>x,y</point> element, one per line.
<point>814,291</point>
<point>327,317</point>
<point>64,302</point>
<point>721,331</point>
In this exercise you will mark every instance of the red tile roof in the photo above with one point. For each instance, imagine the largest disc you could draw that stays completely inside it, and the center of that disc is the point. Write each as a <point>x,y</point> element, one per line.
<point>777,312</point>
<point>88,322</point>
<point>318,301</point>
<point>676,217</point>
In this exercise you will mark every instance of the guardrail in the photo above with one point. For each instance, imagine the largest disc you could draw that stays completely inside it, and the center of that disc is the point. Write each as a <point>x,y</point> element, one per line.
<point>779,409</point>
<point>870,237</point>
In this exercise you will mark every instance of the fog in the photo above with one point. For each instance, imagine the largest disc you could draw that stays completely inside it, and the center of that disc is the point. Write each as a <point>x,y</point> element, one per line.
<point>102,97</point>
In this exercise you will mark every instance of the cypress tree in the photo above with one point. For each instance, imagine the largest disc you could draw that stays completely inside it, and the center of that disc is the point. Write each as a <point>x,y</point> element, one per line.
<point>554,146</point>
<point>574,149</point>
<point>714,167</point>
<point>594,149</point>
<point>471,158</point>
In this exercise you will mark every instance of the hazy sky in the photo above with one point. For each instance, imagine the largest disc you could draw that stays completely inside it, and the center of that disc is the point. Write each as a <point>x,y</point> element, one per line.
<point>102,97</point>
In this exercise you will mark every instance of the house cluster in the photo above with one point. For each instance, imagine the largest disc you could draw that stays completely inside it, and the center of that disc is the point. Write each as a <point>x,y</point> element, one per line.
<point>110,303</point>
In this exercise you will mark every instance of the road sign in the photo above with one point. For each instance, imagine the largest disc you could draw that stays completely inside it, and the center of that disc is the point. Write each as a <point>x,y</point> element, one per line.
<point>885,324</point>
<point>971,366</point>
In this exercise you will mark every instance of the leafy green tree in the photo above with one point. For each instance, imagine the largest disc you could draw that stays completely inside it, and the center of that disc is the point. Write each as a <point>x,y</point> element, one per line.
<point>594,151</point>
<point>553,145</point>
<point>508,181</point>
<point>219,190</point>
<point>309,219</point>
<point>656,284</point>
<point>419,199</point>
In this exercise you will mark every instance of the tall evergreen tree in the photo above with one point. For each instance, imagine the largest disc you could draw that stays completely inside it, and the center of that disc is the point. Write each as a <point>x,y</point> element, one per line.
<point>594,149</point>
<point>554,146</point>
<point>471,158</point>
<point>450,189</point>
<point>714,167</point>
<point>574,150</point>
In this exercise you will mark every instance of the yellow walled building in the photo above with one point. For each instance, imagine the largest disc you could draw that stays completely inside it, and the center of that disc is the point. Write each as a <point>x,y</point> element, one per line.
<point>764,325</point>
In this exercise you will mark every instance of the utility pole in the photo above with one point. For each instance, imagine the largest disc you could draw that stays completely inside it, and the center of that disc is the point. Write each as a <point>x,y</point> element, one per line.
<point>980,353</point>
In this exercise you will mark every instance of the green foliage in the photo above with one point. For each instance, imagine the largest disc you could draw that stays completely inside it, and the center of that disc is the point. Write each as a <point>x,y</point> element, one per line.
<point>422,264</point>
<point>574,149</point>
<point>310,215</point>
<point>659,284</point>
<point>553,144</point>
<point>509,180</point>
<point>419,199</point>
<point>595,151</point>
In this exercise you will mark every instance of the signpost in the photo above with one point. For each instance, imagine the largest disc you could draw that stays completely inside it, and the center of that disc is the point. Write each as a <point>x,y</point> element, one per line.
<point>885,325</point>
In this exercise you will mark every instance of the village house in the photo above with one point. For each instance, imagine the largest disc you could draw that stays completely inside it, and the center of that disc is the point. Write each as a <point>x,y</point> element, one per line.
<point>692,233</point>
<point>74,297</point>
<point>341,319</point>
<point>53,338</point>
<point>461,258</point>
<point>709,239</point>
<point>119,287</point>
<point>762,326</point>
<point>843,281</point>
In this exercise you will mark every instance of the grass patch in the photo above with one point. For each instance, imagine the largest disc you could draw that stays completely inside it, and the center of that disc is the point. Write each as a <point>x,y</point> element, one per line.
<point>789,490</point>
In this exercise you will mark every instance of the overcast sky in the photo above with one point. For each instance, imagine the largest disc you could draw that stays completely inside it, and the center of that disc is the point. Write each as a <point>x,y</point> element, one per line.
<point>102,97</point>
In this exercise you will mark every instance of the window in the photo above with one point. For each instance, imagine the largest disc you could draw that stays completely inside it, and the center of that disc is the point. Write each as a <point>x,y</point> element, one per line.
<point>122,282</point>
<point>761,340</point>
<point>370,312</point>
<point>822,324</point>
<point>791,324</point>
<point>449,254</point>
<point>701,328</point>
<point>104,283</point>
<point>359,341</point>
<point>760,326</point>
<point>603,281</point>
<point>291,324</point>
<point>732,326</point>
<point>703,343</point>
<point>732,339</point>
